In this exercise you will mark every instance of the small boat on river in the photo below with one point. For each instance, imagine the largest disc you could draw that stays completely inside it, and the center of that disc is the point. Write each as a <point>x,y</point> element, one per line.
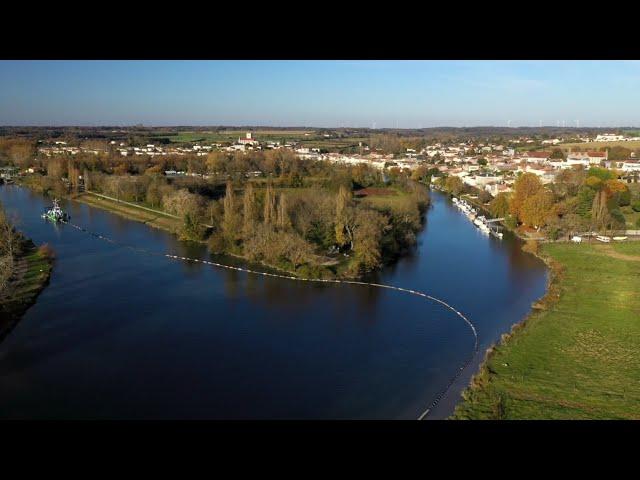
<point>55,213</point>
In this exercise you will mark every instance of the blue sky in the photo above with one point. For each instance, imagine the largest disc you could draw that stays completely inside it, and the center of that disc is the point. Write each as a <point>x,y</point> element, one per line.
<point>405,94</point>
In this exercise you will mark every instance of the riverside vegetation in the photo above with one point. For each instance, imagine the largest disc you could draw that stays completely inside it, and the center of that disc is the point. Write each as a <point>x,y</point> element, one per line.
<point>24,272</point>
<point>577,201</point>
<point>311,218</point>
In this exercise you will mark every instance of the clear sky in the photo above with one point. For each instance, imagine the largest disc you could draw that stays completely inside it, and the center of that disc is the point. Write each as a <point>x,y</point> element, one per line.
<point>405,94</point>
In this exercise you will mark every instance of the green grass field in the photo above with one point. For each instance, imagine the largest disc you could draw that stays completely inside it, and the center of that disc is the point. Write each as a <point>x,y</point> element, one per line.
<point>233,135</point>
<point>577,357</point>
<point>594,146</point>
<point>30,276</point>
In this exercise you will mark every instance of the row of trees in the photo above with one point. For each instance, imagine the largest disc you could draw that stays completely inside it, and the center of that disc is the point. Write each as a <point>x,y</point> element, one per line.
<point>8,249</point>
<point>578,200</point>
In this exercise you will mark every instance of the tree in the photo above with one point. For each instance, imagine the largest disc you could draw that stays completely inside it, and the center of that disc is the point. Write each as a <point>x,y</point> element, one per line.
<point>618,153</point>
<point>250,211</point>
<point>269,214</point>
<point>55,168</point>
<point>599,210</point>
<point>154,196</point>
<point>602,173</point>
<point>214,213</point>
<point>296,250</point>
<point>8,247</point>
<point>484,197</point>
<point>86,177</point>
<point>73,173</point>
<point>453,185</point>
<point>619,191</point>
<point>420,174</point>
<point>584,201</point>
<point>21,154</point>
<point>569,180</point>
<point>557,154</point>
<point>284,222</point>
<point>594,182</point>
<point>499,206</point>
<point>230,220</point>
<point>344,232</point>
<point>526,186</point>
<point>367,235</point>
<point>216,162</point>
<point>536,208</point>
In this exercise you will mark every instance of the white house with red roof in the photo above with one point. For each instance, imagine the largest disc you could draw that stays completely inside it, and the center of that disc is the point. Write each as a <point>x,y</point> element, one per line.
<point>587,158</point>
<point>248,140</point>
<point>536,157</point>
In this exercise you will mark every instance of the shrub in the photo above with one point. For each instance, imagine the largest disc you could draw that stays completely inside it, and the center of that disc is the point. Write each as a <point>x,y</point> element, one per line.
<point>636,206</point>
<point>484,197</point>
<point>531,246</point>
<point>46,251</point>
<point>216,243</point>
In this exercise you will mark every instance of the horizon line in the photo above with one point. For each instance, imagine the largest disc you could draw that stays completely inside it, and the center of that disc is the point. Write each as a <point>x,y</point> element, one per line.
<point>567,127</point>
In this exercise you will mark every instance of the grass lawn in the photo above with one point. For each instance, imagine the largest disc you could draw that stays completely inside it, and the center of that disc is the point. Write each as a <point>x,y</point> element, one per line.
<point>155,220</point>
<point>577,357</point>
<point>399,198</point>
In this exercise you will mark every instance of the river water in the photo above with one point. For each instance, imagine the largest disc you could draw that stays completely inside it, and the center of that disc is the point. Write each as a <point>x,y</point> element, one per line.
<point>120,334</point>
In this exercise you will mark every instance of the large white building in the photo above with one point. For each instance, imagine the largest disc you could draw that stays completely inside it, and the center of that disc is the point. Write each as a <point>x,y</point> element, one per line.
<point>609,137</point>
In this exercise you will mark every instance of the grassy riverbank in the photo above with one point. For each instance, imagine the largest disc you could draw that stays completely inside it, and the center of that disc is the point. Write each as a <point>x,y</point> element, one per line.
<point>575,356</point>
<point>32,270</point>
<point>157,220</point>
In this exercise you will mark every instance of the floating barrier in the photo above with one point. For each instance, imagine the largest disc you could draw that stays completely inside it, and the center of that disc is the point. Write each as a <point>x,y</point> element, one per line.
<point>468,322</point>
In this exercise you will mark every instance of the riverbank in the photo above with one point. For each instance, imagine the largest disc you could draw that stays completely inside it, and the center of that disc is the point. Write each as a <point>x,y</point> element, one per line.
<point>153,219</point>
<point>574,356</point>
<point>32,270</point>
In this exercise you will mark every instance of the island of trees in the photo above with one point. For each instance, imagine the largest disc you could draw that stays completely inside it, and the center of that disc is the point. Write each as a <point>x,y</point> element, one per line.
<point>312,218</point>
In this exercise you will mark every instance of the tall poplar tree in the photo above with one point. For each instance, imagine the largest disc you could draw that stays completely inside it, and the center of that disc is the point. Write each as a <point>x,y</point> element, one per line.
<point>269,205</point>
<point>230,219</point>
<point>250,211</point>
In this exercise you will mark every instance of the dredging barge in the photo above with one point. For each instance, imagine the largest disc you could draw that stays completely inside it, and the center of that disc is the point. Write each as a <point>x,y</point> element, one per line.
<point>55,213</point>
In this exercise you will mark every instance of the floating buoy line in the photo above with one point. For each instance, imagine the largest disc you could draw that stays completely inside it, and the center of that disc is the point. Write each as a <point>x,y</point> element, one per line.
<point>470,324</point>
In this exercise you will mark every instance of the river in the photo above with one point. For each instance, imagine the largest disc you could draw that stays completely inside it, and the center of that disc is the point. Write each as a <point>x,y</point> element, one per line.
<point>120,334</point>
